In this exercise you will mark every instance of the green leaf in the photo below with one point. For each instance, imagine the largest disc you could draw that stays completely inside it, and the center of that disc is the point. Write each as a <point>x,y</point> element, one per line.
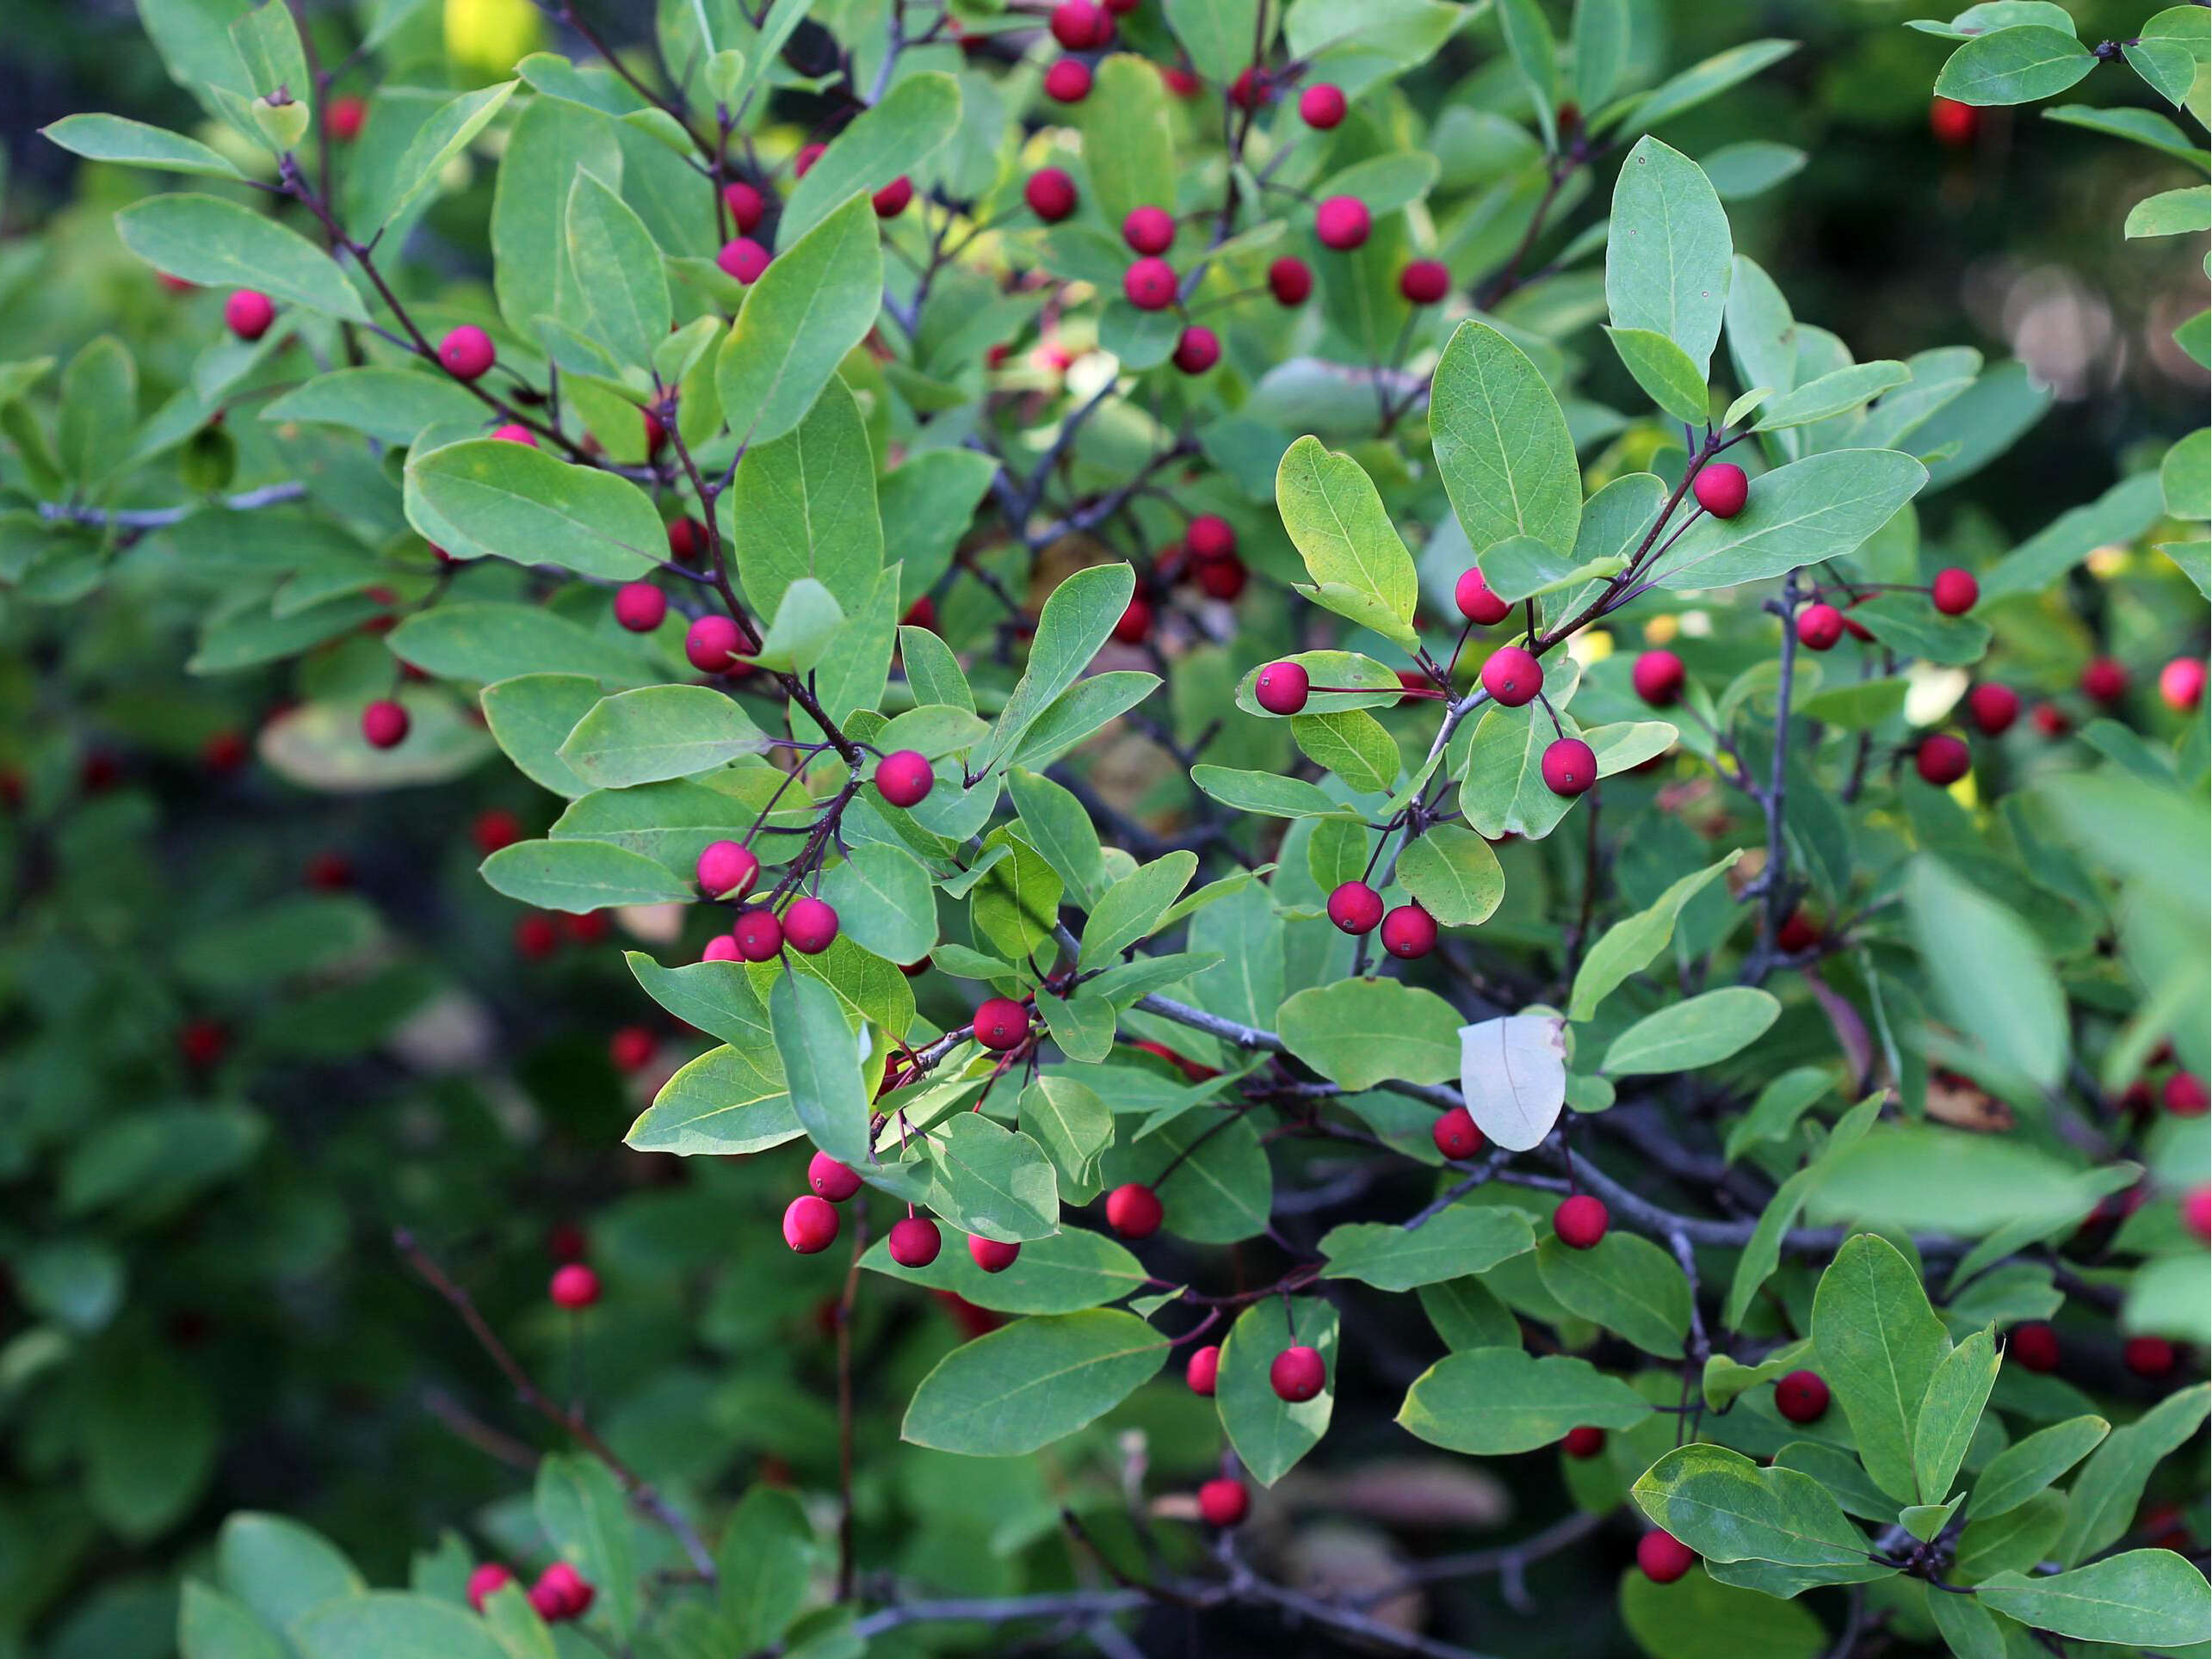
<point>1968,1628</point>
<point>2172,213</point>
<point>1129,911</point>
<point>884,902</point>
<point>1879,1343</point>
<point>620,281</point>
<point>2185,475</point>
<point>212,1625</point>
<point>1701,1032</point>
<point>1700,1618</point>
<point>580,876</point>
<point>148,1430</point>
<point>762,1564</point>
<point>391,405</point>
<point>1067,1272</point>
<point>1352,551</point>
<point>1727,1508</point>
<point>485,496</point>
<point>1465,1238</point>
<point>1535,56</point>
<point>1016,904</point>
<point>2018,1017</point>
<point>1667,255</point>
<point>1502,444</point>
<point>1270,1433</point>
<point>1630,946</point>
<point>1750,167</point>
<point>436,143</point>
<point>1034,1382</point>
<point>1522,567</point>
<point>1950,1412</point>
<point>133,144</point>
<point>821,1056</point>
<point>1627,1284</point>
<point>1128,147</point>
<point>997,1183</point>
<point>1492,1402</point>
<point>221,244</point>
<point>1920,1177</point>
<point>890,139</point>
<point>1067,1119</point>
<point>2103,1501</point>
<point>2027,1466</point>
<point>1218,35</point>
<point>1074,623</point>
<point>2014,65</point>
<point>1823,507</point>
<point>551,144</point>
<point>282,1569</point>
<point>659,732</point>
<point>1513,1077</point>
<point>805,506</point>
<point>2150,1598</point>
<point>2168,67</point>
<point>1830,394</point>
<point>583,1511</point>
<point>1454,874</point>
<point>488,643</point>
<point>1268,793</point>
<point>1705,80</point>
<point>816,301</point>
<point>387,1624</point>
<point>1219,1188</point>
<point>1353,745</point>
<point>1360,1032</point>
<point>731,1100</point>
<point>1663,370</point>
<point>931,497</point>
<point>1467,1314</point>
<point>1775,1114</point>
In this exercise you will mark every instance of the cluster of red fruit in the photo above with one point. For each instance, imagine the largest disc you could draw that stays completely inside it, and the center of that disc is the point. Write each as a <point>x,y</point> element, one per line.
<point>1206,556</point>
<point>560,1594</point>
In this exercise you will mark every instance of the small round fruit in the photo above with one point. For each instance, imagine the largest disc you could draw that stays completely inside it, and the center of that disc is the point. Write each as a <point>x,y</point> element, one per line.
<point>1663,1558</point>
<point>561,1594</point>
<point>2181,684</point>
<point>1342,223</point>
<point>384,724</point>
<point>1281,689</point>
<point>1721,489</point>
<point>1224,1502</point>
<point>537,937</point>
<point>1210,536</point>
<point>1570,766</point>
<point>1954,592</point>
<point>1204,1370</point>
<point>1290,280</point>
<point>2196,1212</point>
<point>728,869</point>
<point>487,1582</point>
<point>1149,229</point>
<point>758,934</point>
<point>1134,1211</point>
<point>2183,1095</point>
<point>347,113</point>
<point>1659,677</point>
<point>1134,625</point>
<point>1050,193</point>
<point>710,645</point>
<point>1512,676</point>
<point>1424,281</point>
<point>1149,285</point>
<point>1197,348</point>
<point>904,778</point>
<point>914,1241</point>
<point>1820,627</point>
<point>2034,1346</point>
<point>1942,759</point>
<point>1802,1397</point>
<point>894,198</point>
<point>1356,908</point>
<point>1321,105</point>
<point>1068,80</point>
<point>1222,578</point>
<point>810,925</point>
<point>1297,1374</point>
<point>574,1286</point>
<point>515,432</point>
<point>1580,1222</point>
<point>1993,708</point>
<point>639,606</point>
<point>1409,933</point>
<point>1002,1024</point>
<point>249,311</point>
<point>493,829</point>
<point>1455,1134</point>
<point>992,1255</point>
<point>2148,1356</point>
<point>1079,24</point>
<point>744,259</point>
<point>2104,681</point>
<point>687,540</point>
<point>1471,594</point>
<point>1584,1442</point>
<point>631,1048</point>
<point>466,353</point>
<point>831,1178</point>
<point>804,161</point>
<point>810,1223</point>
<point>746,205</point>
<point>1953,123</point>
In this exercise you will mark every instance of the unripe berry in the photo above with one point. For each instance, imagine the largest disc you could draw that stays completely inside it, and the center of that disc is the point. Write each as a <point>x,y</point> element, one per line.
<point>631,1048</point>
<point>992,1255</point>
<point>639,606</point>
<point>2184,1095</point>
<point>1281,689</point>
<point>1659,677</point>
<point>1455,1134</point>
<point>513,432</point>
<point>2104,681</point>
<point>1079,26</point>
<point>1197,349</point>
<point>894,198</point>
<point>1002,1024</point>
<point>914,1241</point>
<point>1409,933</point>
<point>561,1594</point>
<point>1341,223</point>
<point>1050,193</point>
<point>759,935</point>
<point>831,1180</point>
<point>1512,676</point>
<point>1134,625</point>
<point>495,828</point>
<point>810,1223</point>
<point>710,645</point>
<point>1570,766</point>
<point>1290,280</point>
<point>1150,285</point>
<point>746,205</point>
<point>1297,1374</point>
<point>687,540</point>
<point>1203,1374</point>
<point>1820,627</point>
<point>2196,1212</point>
<point>2034,1346</point>
<point>1953,123</point>
<point>1954,592</point>
<point>1424,281</point>
<point>466,353</point>
<point>1068,80</point>
<point>1663,1556</point>
<point>249,311</point>
<point>346,116</point>
<point>574,1286</point>
<point>2181,684</point>
<point>1210,536</point>
<point>1223,1501</point>
<point>2148,1356</point>
<point>1149,229</point>
<point>810,925</point>
<point>1471,594</point>
<point>1993,708</point>
<point>487,1582</point>
<point>904,778</point>
<point>728,869</point>
<point>1584,1442</point>
<point>1134,1211</point>
<point>1942,759</point>
<point>1222,578</point>
<point>384,724</point>
<point>1721,489</point>
<point>1580,1222</point>
<point>1321,105</point>
<point>743,258</point>
<point>1802,1397</point>
<point>1356,908</point>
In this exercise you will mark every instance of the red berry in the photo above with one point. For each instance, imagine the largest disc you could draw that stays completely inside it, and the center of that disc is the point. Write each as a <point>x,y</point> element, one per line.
<point>1178,80</point>
<point>1580,1222</point>
<point>1223,1502</point>
<point>1050,193</point>
<point>574,1286</point>
<point>922,614</point>
<point>1211,536</point>
<point>249,311</point>
<point>1002,1024</point>
<point>1953,123</point>
<point>1290,280</point>
<point>1798,932</point>
<point>804,161</point>
<point>687,540</point>
<point>1409,933</point>
<point>728,869</point>
<point>2035,1345</point>
<point>1135,626</point>
<point>1455,1134</point>
<point>1203,1374</point>
<point>1252,87</point>
<point>1150,285</point>
<point>1570,766</point>
<point>1584,1442</point>
<point>810,1223</point>
<point>2050,721</point>
<point>2196,1212</point>
<point>1663,1556</point>
<point>710,645</point>
<point>1321,105</point>
<point>587,929</point>
<point>1721,488</point>
<point>1424,281</point>
<point>466,353</point>
<point>1341,223</point>
<point>2184,1095</point>
<point>746,205</point>
<point>537,937</point>
<point>758,934</point>
<point>1281,689</point>
<point>904,778</point>
<point>631,1048</point>
<point>810,925</point>
<point>2181,684</point>
<point>833,1181</point>
<point>384,724</point>
<point>225,751</point>
<point>1356,908</point>
<point>1134,1211</point>
<point>1222,578</point>
<point>992,1255</point>
<point>514,433</point>
<point>2104,681</point>
<point>639,606</point>
<point>1820,627</point>
<point>202,1043</point>
<point>721,948</point>
<point>1079,26</point>
<point>1802,1397</point>
<point>347,114</point>
<point>1942,759</point>
<point>560,1594</point>
<point>1471,594</point>
<point>656,434</point>
<point>1068,80</point>
<point>2148,1356</point>
<point>1659,677</point>
<point>1993,708</point>
<point>329,873</point>
<point>894,198</point>
<point>914,1241</point>
<point>1149,229</point>
<point>1954,592</point>
<point>1512,676</point>
<point>1297,1374</point>
<point>1121,8</point>
<point>487,1582</point>
<point>1197,349</point>
<point>744,259</point>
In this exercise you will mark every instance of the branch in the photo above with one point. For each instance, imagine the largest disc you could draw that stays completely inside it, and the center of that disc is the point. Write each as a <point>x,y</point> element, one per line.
<point>157,518</point>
